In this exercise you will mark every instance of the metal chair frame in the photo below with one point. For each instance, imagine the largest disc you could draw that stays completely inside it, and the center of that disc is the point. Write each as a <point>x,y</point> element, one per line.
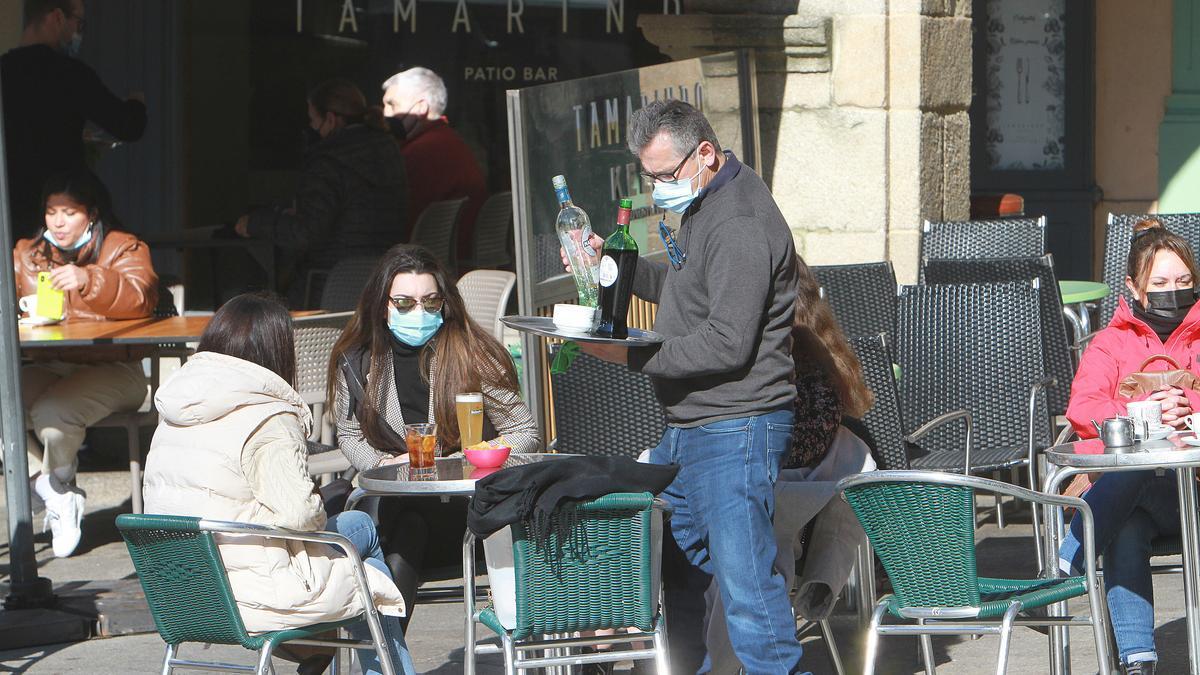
<point>209,527</point>
<point>964,620</point>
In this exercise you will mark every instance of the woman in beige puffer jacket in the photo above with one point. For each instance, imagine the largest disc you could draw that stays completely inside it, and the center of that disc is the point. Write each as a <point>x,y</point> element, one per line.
<point>230,445</point>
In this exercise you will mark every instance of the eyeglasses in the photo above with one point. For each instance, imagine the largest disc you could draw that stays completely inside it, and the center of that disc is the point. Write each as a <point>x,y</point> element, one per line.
<point>78,18</point>
<point>666,177</point>
<point>430,303</point>
<point>676,255</point>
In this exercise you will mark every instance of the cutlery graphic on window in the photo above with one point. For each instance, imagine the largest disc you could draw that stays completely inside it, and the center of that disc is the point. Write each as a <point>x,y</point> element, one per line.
<point>1020,70</point>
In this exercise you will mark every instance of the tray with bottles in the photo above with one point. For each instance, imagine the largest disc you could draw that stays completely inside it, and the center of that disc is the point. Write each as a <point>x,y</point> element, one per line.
<point>544,326</point>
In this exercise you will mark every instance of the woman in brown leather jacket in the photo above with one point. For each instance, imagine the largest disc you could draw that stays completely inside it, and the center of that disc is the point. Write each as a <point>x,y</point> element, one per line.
<point>104,274</point>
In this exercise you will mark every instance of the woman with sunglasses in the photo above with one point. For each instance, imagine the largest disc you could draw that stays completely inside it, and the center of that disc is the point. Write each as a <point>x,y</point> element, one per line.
<point>408,350</point>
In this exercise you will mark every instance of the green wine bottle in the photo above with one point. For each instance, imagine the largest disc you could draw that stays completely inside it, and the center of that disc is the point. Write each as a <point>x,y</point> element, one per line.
<point>617,267</point>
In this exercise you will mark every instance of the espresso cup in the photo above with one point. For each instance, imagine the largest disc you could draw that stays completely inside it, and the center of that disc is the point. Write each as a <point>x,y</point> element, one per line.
<point>28,304</point>
<point>1193,422</point>
<point>1151,411</point>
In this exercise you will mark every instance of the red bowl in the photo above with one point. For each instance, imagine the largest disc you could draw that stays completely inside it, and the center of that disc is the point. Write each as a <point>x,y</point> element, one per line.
<point>489,457</point>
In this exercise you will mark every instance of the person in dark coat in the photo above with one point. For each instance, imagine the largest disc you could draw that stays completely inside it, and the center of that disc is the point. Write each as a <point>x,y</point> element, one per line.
<point>351,199</point>
<point>48,97</point>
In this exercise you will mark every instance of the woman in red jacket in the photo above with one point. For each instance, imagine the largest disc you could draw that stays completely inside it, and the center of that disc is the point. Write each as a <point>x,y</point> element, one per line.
<point>1133,508</point>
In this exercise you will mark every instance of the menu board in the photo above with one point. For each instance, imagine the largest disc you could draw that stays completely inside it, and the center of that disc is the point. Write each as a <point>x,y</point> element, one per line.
<point>1026,88</point>
<point>577,128</point>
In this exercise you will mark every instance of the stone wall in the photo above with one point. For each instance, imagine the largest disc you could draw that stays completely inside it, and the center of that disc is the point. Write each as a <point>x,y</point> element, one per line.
<point>862,113</point>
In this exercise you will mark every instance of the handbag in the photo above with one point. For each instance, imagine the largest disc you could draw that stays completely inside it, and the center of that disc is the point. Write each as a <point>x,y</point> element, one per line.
<point>1146,382</point>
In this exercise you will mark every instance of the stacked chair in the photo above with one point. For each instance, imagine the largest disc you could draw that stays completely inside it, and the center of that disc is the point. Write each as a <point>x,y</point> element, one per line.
<point>1001,238</point>
<point>1056,346</point>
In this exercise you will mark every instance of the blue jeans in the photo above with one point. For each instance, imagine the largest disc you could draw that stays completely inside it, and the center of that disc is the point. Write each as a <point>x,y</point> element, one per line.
<point>1131,509</point>
<point>358,528</point>
<point>723,502</point>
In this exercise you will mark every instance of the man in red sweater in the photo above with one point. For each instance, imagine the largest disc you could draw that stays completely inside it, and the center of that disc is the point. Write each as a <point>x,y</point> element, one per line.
<point>440,164</point>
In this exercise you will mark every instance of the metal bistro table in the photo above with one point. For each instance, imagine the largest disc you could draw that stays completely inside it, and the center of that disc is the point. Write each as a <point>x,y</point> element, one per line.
<point>1075,296</point>
<point>1174,453</point>
<point>453,477</point>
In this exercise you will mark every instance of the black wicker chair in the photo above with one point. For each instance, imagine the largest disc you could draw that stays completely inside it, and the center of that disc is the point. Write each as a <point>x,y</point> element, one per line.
<point>863,296</point>
<point>1116,250</point>
<point>602,408</point>
<point>883,420</point>
<point>345,283</point>
<point>1056,345</point>
<point>1001,238</point>
<point>976,350</point>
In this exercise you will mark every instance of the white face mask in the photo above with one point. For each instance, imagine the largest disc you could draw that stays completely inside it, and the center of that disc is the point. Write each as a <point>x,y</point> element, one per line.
<point>677,195</point>
<point>79,243</point>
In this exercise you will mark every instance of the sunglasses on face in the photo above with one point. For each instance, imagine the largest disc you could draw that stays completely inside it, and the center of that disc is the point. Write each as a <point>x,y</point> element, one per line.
<point>668,177</point>
<point>430,303</point>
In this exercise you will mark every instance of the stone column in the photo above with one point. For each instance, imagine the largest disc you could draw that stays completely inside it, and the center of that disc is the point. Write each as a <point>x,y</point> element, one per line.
<point>862,113</point>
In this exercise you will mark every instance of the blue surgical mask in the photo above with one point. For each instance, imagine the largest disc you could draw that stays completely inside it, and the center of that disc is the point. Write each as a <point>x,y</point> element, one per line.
<point>74,45</point>
<point>414,328</point>
<point>79,243</point>
<point>676,195</point>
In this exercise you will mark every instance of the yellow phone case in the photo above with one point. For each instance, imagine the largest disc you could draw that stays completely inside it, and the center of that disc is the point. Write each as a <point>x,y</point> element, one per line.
<point>49,299</point>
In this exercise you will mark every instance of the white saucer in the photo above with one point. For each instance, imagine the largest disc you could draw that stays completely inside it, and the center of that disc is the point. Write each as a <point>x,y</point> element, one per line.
<point>1160,432</point>
<point>37,321</point>
<point>1191,440</point>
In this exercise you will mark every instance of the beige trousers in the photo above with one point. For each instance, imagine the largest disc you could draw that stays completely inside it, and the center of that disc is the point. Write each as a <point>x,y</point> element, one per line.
<point>61,400</point>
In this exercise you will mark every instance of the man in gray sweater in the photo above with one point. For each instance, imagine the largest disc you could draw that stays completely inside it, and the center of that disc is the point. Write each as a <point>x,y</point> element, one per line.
<point>725,378</point>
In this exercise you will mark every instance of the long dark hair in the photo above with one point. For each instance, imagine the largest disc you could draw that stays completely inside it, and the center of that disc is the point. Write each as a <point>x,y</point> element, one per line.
<point>819,343</point>
<point>467,355</point>
<point>254,327</point>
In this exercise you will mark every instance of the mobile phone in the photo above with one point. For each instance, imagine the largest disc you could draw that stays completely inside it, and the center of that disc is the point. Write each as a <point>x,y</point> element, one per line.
<point>49,298</point>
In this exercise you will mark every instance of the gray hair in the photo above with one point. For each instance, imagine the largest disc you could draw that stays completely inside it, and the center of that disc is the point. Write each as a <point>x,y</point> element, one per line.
<point>686,126</point>
<point>425,83</point>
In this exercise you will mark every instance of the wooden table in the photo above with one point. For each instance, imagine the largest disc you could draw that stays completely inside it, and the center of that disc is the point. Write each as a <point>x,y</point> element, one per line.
<point>148,331</point>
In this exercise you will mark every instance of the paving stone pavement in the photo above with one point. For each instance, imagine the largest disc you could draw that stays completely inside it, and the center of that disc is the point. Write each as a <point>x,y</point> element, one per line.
<point>435,636</point>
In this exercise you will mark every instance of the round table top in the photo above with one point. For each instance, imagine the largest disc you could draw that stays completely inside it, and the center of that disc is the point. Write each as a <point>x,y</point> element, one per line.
<point>1082,291</point>
<point>1091,454</point>
<point>452,476</point>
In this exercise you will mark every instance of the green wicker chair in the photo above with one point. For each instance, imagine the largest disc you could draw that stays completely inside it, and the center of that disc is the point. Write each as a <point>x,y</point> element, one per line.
<point>603,575</point>
<point>183,576</point>
<point>921,525</point>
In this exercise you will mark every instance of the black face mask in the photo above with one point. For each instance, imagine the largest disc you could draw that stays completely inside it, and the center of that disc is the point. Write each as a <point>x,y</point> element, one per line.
<point>396,126</point>
<point>1171,304</point>
<point>310,137</point>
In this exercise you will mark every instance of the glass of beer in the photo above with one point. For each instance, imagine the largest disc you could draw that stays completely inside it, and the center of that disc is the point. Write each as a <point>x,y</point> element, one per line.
<point>469,407</point>
<point>421,440</point>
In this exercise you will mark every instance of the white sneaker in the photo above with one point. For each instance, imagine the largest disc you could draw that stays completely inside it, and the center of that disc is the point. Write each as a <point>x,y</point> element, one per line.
<point>64,512</point>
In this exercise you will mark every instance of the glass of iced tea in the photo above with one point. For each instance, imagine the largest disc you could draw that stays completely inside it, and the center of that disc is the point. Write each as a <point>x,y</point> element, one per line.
<point>469,407</point>
<point>422,445</point>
